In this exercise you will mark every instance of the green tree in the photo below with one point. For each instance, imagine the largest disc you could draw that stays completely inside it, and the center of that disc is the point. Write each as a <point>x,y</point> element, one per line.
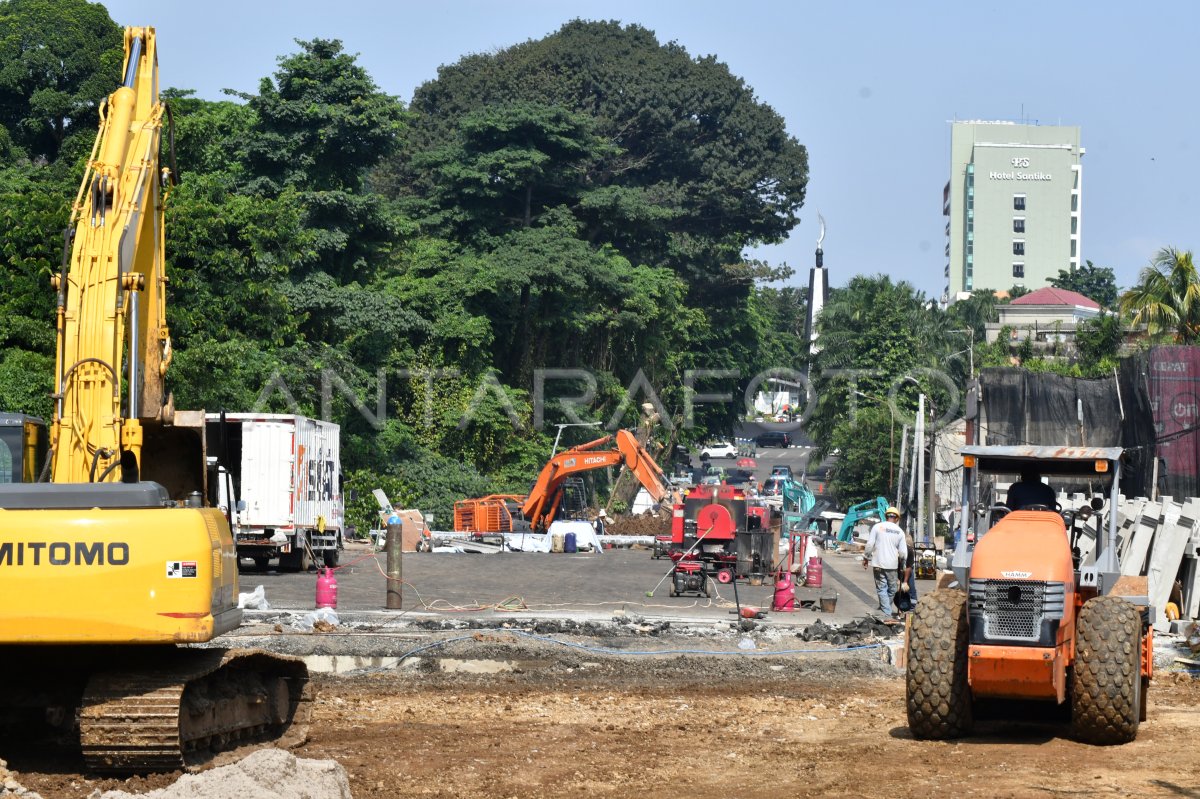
<point>31,225</point>
<point>976,312</point>
<point>1018,291</point>
<point>1166,299</point>
<point>1098,339</point>
<point>876,336</point>
<point>58,60</point>
<point>26,382</point>
<point>510,165</point>
<point>1095,282</point>
<point>696,168</point>
<point>318,128</point>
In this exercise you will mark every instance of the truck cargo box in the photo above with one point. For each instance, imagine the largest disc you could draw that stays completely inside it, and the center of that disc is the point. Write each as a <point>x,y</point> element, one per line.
<point>284,474</point>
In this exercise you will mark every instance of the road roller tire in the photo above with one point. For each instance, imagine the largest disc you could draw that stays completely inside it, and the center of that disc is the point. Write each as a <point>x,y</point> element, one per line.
<point>1106,685</point>
<point>937,694</point>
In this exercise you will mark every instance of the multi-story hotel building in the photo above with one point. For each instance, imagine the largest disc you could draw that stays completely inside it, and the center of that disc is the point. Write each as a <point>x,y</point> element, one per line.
<point>1013,206</point>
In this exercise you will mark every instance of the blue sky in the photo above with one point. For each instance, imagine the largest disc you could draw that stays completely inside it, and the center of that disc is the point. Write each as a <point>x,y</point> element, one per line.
<point>868,87</point>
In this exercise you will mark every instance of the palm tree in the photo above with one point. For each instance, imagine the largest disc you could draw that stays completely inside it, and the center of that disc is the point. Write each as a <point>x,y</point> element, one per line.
<point>976,312</point>
<point>1167,298</point>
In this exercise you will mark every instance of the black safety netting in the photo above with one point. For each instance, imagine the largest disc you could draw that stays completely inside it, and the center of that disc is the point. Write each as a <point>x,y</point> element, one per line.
<point>1035,408</point>
<point>1167,383</point>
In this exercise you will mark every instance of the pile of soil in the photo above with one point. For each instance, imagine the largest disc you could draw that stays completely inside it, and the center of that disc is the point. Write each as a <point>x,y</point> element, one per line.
<point>643,524</point>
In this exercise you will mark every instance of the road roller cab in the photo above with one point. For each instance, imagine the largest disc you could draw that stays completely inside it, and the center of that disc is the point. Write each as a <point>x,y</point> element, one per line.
<point>1037,609</point>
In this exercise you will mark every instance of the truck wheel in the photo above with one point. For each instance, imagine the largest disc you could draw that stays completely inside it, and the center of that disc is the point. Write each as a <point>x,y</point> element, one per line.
<point>261,563</point>
<point>1106,685</point>
<point>331,557</point>
<point>937,694</point>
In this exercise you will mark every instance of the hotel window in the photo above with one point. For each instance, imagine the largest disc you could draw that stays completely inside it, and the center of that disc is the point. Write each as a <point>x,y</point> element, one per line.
<point>1074,245</point>
<point>1019,270</point>
<point>1018,224</point>
<point>1018,247</point>
<point>1018,202</point>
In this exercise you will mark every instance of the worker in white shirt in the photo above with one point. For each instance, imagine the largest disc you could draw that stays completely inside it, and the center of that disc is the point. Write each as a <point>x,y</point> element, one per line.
<point>886,551</point>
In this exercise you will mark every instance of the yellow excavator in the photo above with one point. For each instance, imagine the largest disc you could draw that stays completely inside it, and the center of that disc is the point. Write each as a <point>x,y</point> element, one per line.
<point>115,561</point>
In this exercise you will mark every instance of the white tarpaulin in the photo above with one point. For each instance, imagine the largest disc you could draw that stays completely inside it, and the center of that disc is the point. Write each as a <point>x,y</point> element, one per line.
<point>585,536</point>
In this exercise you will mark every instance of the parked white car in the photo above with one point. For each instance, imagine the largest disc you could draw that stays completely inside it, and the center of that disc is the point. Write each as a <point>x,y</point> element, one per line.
<point>719,449</point>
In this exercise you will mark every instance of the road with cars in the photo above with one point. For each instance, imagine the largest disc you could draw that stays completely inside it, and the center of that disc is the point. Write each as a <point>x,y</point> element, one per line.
<point>797,456</point>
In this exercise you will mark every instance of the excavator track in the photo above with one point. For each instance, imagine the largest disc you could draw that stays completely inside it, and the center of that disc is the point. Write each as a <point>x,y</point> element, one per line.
<point>196,704</point>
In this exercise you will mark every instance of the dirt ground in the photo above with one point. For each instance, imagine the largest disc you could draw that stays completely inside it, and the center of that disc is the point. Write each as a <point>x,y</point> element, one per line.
<point>574,723</point>
<point>646,524</point>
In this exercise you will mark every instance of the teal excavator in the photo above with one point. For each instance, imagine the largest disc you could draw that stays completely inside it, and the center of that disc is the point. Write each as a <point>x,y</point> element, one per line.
<point>871,509</point>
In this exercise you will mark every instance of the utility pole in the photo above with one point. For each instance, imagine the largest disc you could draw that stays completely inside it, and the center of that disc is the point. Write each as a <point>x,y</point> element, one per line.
<point>919,474</point>
<point>931,530</point>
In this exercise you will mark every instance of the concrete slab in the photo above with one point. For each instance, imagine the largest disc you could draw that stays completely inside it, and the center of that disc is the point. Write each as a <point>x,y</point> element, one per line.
<point>1166,554</point>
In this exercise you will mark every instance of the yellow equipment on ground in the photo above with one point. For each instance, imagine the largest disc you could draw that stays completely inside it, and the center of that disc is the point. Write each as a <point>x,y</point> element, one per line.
<point>118,559</point>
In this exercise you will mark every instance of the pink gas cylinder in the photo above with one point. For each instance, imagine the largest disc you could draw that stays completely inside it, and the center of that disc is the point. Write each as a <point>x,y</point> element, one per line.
<point>326,589</point>
<point>785,595</point>
<point>812,575</point>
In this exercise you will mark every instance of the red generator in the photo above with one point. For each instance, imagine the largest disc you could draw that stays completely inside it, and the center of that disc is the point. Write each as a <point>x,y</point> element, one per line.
<point>718,526</point>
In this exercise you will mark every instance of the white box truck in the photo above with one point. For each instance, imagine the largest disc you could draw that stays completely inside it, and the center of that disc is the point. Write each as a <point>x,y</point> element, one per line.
<point>279,482</point>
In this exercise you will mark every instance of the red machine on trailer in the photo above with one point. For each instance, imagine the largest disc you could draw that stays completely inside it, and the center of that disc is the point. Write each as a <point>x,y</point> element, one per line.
<point>726,535</point>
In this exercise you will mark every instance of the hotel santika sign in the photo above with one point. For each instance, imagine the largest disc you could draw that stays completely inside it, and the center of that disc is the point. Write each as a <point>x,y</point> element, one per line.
<point>1019,164</point>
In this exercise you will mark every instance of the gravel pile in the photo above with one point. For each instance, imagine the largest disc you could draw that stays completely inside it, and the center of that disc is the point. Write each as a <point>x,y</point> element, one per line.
<point>10,787</point>
<point>265,774</point>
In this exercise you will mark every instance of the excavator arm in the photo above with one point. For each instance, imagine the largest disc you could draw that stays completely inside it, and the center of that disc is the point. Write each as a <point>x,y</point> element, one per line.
<point>111,320</point>
<point>855,513</point>
<point>542,502</point>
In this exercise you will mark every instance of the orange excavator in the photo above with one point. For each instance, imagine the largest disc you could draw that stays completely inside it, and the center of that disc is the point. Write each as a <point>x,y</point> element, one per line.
<point>542,503</point>
<point>540,506</point>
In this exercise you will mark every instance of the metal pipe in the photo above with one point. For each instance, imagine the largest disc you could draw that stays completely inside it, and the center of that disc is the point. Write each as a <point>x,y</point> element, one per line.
<point>960,563</point>
<point>134,352</point>
<point>903,455</point>
<point>61,311</point>
<point>135,55</point>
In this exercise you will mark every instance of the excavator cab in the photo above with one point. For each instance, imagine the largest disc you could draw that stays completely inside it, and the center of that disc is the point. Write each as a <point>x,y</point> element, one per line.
<point>22,448</point>
<point>1038,609</point>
